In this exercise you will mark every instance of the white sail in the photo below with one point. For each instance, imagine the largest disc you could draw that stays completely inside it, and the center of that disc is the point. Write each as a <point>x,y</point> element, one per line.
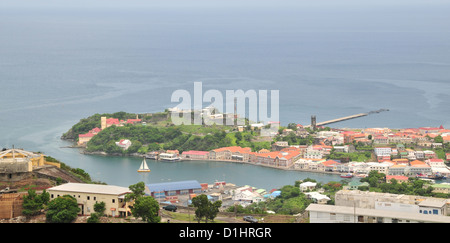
<point>144,166</point>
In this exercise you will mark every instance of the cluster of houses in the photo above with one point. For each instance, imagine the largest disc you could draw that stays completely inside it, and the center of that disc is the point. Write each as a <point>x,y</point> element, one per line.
<point>83,139</point>
<point>389,159</point>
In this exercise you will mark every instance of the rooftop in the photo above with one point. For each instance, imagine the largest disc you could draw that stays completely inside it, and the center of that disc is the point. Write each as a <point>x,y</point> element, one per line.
<point>378,213</point>
<point>91,188</point>
<point>172,186</point>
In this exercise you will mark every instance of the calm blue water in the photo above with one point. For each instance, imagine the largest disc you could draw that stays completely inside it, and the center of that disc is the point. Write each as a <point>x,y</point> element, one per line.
<point>63,62</point>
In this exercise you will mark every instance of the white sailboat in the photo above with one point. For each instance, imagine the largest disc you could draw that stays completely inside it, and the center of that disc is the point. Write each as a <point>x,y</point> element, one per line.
<point>143,167</point>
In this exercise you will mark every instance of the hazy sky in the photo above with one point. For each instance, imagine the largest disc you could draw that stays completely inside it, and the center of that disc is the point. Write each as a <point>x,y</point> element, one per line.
<point>212,3</point>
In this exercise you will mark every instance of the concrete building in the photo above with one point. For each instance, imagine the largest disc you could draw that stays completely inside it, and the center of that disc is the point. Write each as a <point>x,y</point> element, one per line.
<point>233,153</point>
<point>16,164</point>
<point>195,155</point>
<point>393,202</point>
<point>88,194</point>
<point>319,213</point>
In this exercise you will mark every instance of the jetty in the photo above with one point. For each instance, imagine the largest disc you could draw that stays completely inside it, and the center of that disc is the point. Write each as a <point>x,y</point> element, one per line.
<point>314,124</point>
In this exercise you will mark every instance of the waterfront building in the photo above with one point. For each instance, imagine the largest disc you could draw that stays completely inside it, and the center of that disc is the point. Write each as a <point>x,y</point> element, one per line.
<point>89,194</point>
<point>419,167</point>
<point>382,167</point>
<point>234,153</point>
<point>328,165</point>
<point>195,155</point>
<point>398,169</point>
<point>161,190</point>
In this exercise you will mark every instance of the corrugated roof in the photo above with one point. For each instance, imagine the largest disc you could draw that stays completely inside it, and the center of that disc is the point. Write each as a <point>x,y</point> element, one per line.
<point>173,186</point>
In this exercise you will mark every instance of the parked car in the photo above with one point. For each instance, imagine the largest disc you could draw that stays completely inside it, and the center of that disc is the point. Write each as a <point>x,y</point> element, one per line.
<point>170,207</point>
<point>250,219</point>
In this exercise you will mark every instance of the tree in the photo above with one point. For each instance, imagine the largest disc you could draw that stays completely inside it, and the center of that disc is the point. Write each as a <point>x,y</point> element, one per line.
<point>62,209</point>
<point>137,191</point>
<point>147,208</point>
<point>99,208</point>
<point>33,203</point>
<point>438,139</point>
<point>205,209</point>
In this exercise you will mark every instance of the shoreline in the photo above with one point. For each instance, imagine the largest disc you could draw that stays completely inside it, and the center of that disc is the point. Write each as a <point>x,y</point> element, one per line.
<point>135,155</point>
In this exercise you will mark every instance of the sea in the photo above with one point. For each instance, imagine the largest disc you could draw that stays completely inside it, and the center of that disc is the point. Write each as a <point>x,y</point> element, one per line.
<point>61,61</point>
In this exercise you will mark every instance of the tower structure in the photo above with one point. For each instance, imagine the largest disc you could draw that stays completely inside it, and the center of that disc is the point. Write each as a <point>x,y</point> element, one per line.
<point>313,122</point>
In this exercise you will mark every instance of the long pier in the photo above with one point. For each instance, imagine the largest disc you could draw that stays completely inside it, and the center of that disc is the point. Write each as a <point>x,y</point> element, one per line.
<point>345,118</point>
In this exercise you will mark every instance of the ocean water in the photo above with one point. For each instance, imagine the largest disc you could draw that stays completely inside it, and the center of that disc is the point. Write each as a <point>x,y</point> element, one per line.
<point>60,62</point>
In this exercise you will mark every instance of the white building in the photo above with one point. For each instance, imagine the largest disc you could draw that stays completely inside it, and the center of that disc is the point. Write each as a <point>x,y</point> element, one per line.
<point>305,186</point>
<point>319,213</point>
<point>317,197</point>
<point>383,151</point>
<point>124,144</point>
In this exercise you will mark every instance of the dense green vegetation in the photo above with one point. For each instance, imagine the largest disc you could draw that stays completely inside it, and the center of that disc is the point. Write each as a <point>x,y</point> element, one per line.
<point>290,201</point>
<point>414,186</point>
<point>159,133</point>
<point>355,156</point>
<point>63,209</point>
<point>145,138</point>
<point>87,124</point>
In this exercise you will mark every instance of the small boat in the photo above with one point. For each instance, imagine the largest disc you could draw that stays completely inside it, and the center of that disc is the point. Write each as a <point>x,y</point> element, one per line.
<point>348,175</point>
<point>168,157</point>
<point>437,176</point>
<point>420,175</point>
<point>143,167</point>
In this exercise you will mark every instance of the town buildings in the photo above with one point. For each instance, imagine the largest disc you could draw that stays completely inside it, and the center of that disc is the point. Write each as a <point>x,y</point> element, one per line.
<point>354,206</point>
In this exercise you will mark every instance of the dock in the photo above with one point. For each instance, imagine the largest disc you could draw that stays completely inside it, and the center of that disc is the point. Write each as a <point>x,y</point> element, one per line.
<point>314,124</point>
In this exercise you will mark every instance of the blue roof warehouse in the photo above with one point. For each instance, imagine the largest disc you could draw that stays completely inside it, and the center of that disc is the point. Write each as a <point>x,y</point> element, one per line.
<point>160,190</point>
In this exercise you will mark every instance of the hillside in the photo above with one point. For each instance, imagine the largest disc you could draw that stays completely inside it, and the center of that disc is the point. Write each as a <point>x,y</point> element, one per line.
<point>156,131</point>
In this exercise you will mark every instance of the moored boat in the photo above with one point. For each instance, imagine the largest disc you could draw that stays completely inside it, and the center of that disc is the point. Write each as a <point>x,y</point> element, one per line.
<point>168,157</point>
<point>348,175</point>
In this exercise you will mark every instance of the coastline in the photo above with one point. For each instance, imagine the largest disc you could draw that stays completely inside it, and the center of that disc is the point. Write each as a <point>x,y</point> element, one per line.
<point>136,155</point>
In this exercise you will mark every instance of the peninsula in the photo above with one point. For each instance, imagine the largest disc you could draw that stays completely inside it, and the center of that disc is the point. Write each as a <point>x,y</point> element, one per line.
<point>423,151</point>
